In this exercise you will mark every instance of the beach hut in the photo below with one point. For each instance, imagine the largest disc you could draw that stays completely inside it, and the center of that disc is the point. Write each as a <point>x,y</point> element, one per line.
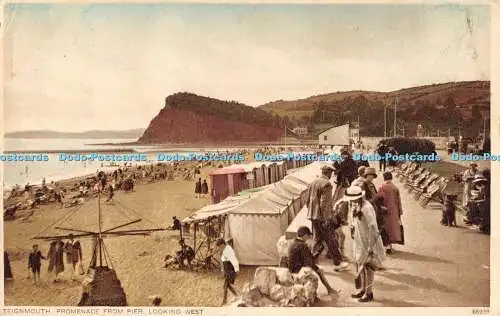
<point>260,175</point>
<point>227,181</point>
<point>273,172</point>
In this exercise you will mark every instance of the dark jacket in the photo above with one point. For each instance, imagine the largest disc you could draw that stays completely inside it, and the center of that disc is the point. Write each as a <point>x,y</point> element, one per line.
<point>300,256</point>
<point>347,172</point>
<point>34,259</point>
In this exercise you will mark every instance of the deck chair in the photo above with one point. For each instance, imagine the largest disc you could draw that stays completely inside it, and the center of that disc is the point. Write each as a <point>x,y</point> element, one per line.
<point>418,180</point>
<point>414,175</point>
<point>434,192</point>
<point>401,168</point>
<point>403,172</point>
<point>423,186</point>
<point>410,170</point>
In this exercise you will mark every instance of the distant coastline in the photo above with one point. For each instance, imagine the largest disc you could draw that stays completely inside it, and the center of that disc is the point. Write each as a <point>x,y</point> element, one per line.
<point>92,134</point>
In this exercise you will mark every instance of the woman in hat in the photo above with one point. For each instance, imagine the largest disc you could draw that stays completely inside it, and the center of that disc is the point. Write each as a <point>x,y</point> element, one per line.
<point>477,200</point>
<point>467,178</point>
<point>392,211</point>
<point>367,245</point>
<point>376,201</point>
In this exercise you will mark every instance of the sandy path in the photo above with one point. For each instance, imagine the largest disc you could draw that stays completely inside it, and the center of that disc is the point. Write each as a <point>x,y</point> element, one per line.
<point>138,260</point>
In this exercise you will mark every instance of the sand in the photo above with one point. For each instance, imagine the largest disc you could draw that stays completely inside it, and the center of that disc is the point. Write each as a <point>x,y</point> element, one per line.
<point>138,260</point>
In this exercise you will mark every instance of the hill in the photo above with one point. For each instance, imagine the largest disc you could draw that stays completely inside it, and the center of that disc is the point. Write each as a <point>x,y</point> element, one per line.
<point>189,118</point>
<point>438,106</point>
<point>93,134</point>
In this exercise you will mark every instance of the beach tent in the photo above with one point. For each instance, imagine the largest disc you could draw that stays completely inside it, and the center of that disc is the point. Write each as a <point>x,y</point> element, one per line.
<point>256,219</point>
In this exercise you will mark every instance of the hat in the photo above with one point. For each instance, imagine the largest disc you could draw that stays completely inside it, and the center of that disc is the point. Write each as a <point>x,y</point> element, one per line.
<point>220,242</point>
<point>326,167</point>
<point>353,193</point>
<point>473,164</point>
<point>303,231</point>
<point>370,170</point>
<point>479,178</point>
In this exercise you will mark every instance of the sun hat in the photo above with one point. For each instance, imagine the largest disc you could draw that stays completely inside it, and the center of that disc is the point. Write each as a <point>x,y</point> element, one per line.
<point>361,170</point>
<point>479,178</point>
<point>326,167</point>
<point>353,193</point>
<point>370,170</point>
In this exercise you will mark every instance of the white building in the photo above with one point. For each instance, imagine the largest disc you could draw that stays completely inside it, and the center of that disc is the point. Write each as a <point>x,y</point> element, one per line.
<point>300,131</point>
<point>338,136</point>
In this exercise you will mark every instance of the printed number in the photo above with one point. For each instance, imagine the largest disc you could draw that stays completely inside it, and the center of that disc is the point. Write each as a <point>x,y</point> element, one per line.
<point>480,311</point>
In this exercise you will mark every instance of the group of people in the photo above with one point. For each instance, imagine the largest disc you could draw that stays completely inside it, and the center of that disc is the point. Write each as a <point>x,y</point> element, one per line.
<point>476,197</point>
<point>55,255</point>
<point>201,188</point>
<point>374,217</point>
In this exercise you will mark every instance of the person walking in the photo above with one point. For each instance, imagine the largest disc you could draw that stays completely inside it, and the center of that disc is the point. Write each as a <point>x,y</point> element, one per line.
<point>300,256</point>
<point>319,210</point>
<point>204,187</point>
<point>392,217</point>
<point>230,267</point>
<point>368,250</point>
<point>197,188</point>
<point>382,149</point>
<point>35,264</point>
<point>467,178</point>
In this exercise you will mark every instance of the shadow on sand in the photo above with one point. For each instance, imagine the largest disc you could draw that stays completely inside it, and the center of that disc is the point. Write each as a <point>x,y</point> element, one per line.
<point>416,257</point>
<point>417,282</point>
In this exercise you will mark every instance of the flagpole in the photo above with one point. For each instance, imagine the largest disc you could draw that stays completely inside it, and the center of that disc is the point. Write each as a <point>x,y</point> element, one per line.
<point>285,136</point>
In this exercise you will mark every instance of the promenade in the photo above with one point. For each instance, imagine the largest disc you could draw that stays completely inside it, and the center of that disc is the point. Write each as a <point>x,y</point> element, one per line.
<point>438,266</point>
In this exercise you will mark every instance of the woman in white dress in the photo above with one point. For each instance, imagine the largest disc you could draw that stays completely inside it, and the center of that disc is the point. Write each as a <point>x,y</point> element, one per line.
<point>368,249</point>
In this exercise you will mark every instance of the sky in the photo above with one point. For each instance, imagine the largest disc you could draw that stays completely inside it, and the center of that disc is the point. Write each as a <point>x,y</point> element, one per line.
<point>76,67</point>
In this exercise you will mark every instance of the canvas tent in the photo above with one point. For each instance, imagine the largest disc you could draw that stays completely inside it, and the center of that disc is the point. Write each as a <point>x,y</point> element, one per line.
<point>256,219</point>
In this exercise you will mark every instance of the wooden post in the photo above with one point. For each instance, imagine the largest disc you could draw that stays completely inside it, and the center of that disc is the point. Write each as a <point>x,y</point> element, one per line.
<point>100,235</point>
<point>195,229</point>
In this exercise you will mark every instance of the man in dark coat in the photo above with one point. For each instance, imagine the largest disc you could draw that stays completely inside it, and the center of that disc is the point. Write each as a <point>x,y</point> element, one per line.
<point>346,170</point>
<point>197,188</point>
<point>300,256</point>
<point>382,149</point>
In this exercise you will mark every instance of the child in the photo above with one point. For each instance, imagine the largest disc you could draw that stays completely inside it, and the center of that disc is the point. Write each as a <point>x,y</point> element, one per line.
<point>35,264</point>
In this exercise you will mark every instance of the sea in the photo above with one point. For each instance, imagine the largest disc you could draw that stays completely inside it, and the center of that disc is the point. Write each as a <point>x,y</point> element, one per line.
<point>32,172</point>
<point>22,172</point>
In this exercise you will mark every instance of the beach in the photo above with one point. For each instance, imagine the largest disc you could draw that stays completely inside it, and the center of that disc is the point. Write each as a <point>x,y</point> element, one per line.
<point>138,260</point>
